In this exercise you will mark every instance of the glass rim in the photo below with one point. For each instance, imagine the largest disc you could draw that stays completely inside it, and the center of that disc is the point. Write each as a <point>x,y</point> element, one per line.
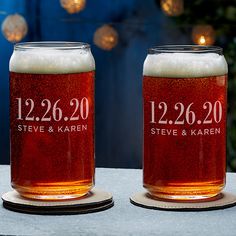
<point>185,49</point>
<point>52,45</point>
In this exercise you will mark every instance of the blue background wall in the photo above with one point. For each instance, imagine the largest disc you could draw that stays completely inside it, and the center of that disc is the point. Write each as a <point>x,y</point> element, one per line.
<point>140,25</point>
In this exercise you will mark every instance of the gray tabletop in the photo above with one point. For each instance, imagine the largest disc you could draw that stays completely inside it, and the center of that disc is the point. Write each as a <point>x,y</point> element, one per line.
<point>124,218</point>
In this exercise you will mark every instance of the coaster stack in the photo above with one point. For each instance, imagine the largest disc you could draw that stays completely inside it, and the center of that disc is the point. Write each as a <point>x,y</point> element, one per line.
<point>96,200</point>
<point>223,200</point>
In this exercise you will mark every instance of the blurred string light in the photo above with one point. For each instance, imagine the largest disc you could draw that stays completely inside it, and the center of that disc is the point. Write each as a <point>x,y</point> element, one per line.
<point>172,7</point>
<point>73,6</point>
<point>14,28</point>
<point>105,37</point>
<point>203,35</point>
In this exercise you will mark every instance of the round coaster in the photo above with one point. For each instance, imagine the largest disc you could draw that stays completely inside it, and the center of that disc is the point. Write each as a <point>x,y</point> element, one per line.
<point>224,200</point>
<point>96,200</point>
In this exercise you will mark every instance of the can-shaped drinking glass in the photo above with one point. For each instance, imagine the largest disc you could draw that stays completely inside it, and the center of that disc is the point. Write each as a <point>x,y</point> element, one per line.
<point>52,119</point>
<point>185,105</point>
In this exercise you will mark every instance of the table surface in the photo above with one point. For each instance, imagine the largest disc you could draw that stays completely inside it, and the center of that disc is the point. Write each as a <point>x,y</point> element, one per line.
<point>122,219</point>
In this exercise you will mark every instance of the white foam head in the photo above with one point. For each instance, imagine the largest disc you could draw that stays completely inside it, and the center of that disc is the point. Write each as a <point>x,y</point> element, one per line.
<point>182,65</point>
<point>52,60</point>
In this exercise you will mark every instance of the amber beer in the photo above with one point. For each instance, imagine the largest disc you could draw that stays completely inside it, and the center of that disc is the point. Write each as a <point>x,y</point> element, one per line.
<point>185,102</point>
<point>52,120</point>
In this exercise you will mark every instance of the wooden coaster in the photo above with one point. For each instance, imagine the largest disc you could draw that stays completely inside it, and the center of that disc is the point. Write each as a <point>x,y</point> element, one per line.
<point>224,200</point>
<point>96,200</point>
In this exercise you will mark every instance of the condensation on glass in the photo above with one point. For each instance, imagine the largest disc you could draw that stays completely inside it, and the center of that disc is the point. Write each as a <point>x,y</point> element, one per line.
<point>52,119</point>
<point>185,105</point>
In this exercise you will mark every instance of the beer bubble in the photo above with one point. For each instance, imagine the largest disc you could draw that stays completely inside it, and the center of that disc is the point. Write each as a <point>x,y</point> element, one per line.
<point>184,65</point>
<point>47,61</point>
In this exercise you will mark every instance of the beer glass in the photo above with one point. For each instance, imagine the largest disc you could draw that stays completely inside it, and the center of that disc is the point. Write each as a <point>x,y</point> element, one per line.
<point>184,104</point>
<point>52,119</point>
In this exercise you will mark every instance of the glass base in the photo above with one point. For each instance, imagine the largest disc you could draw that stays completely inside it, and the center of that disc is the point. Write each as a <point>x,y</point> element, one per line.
<point>187,193</point>
<point>49,193</point>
